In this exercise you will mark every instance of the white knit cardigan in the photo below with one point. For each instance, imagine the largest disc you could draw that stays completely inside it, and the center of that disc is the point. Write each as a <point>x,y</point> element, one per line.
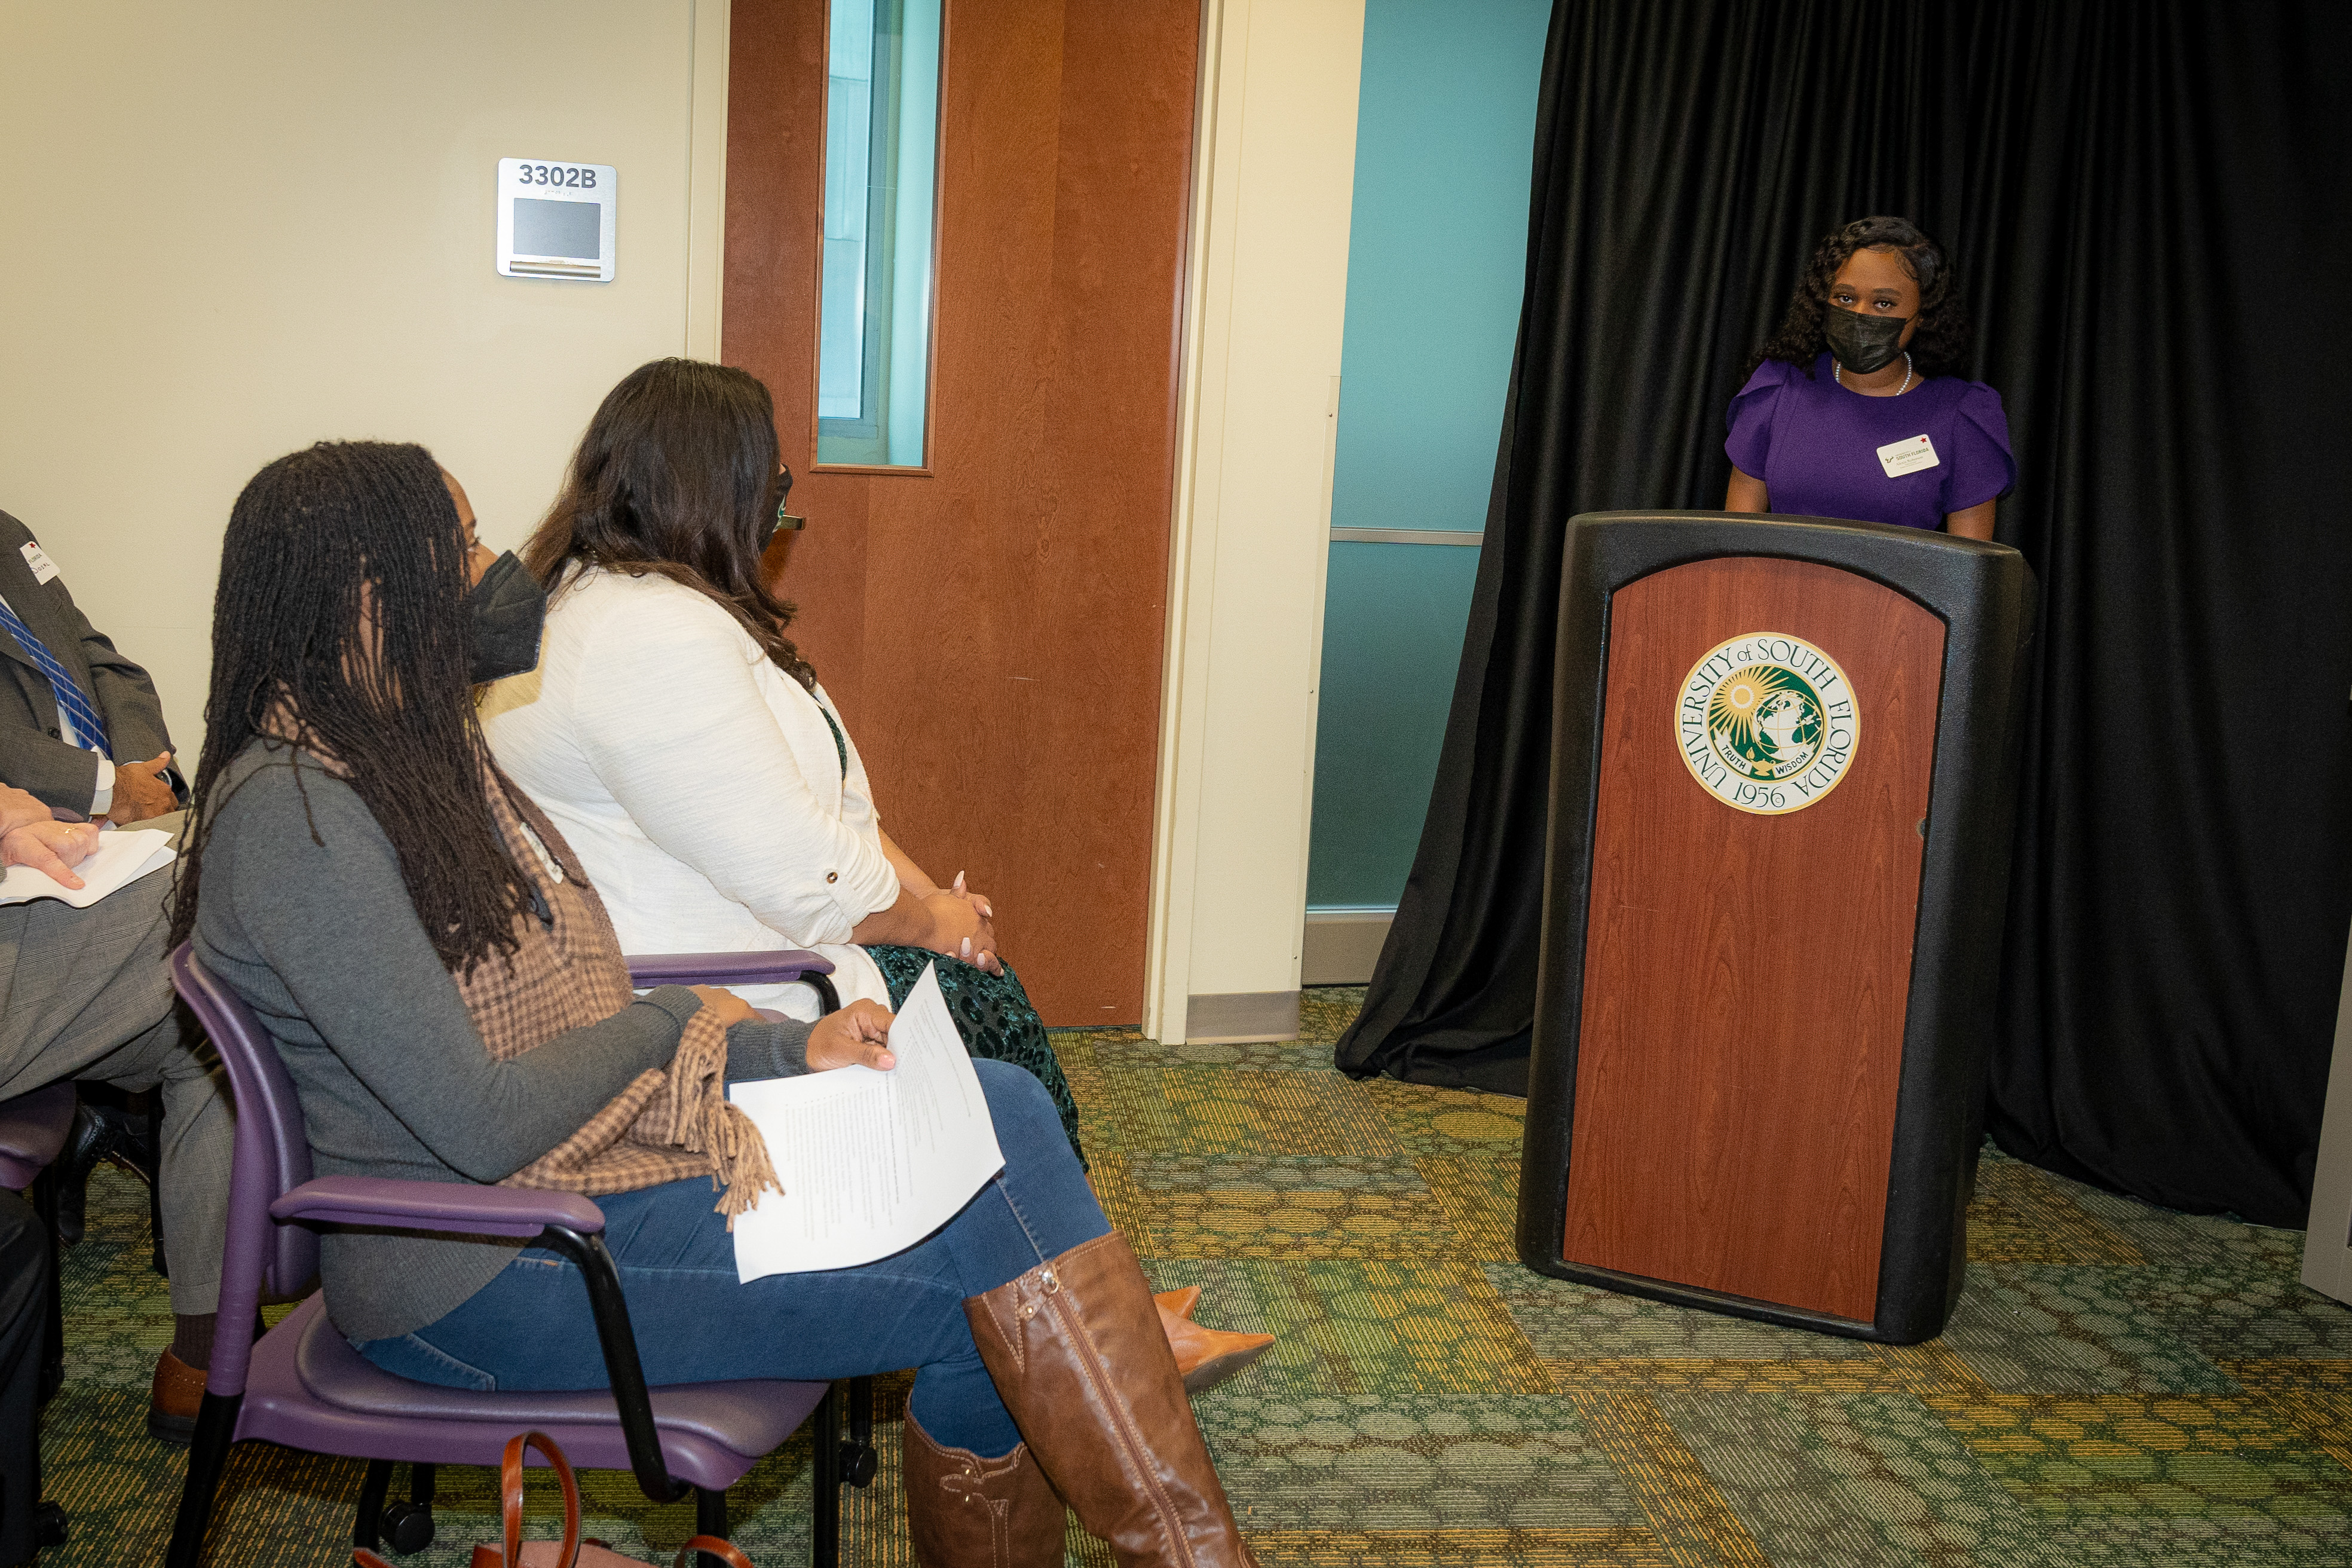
<point>698,784</point>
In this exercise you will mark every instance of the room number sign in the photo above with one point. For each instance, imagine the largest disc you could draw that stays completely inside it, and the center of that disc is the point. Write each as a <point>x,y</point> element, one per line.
<point>557,220</point>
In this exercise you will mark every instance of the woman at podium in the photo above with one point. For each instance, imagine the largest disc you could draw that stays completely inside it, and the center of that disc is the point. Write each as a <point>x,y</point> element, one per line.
<point>1850,411</point>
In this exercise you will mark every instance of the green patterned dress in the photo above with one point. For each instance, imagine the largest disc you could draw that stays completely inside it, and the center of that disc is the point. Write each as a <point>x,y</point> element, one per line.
<point>993,1014</point>
<point>991,1011</point>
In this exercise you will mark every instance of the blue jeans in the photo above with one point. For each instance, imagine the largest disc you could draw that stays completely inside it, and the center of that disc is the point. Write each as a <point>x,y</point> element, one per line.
<point>530,1328</point>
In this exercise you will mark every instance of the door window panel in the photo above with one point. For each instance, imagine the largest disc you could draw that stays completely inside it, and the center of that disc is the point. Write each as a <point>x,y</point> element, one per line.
<point>881,185</point>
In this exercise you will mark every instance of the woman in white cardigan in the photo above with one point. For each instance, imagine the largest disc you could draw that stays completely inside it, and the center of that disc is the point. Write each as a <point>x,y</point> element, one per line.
<point>686,749</point>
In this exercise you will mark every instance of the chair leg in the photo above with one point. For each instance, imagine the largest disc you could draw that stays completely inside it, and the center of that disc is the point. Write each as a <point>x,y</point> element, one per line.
<point>208,1456</point>
<point>825,1479</point>
<point>709,1518</point>
<point>367,1528</point>
<point>858,1459</point>
<point>408,1526</point>
<point>157,1259</point>
<point>44,1196</point>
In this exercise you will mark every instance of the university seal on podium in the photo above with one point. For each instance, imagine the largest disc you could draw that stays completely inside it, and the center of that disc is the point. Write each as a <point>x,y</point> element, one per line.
<point>1766,722</point>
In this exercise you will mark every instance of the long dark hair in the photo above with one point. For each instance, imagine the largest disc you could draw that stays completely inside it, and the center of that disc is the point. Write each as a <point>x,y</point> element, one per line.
<point>320,541</point>
<point>677,475</point>
<point>1939,345</point>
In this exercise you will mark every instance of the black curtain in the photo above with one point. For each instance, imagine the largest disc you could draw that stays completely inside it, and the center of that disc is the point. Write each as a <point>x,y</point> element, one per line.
<point>2145,200</point>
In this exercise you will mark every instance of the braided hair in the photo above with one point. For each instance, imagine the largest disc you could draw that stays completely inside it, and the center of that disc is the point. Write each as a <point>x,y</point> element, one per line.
<point>340,625</point>
<point>678,478</point>
<point>1939,346</point>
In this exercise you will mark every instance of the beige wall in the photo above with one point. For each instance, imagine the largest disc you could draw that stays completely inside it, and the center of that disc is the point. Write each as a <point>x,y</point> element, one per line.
<point>1268,277</point>
<point>235,228</point>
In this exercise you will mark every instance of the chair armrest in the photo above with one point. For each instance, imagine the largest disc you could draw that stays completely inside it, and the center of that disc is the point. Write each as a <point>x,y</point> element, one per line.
<point>652,969</point>
<point>437,1205</point>
<point>566,1222</point>
<point>648,970</point>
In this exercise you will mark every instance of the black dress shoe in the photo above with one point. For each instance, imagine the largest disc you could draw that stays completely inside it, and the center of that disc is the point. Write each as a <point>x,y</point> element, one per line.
<point>92,1140</point>
<point>49,1525</point>
<point>100,1133</point>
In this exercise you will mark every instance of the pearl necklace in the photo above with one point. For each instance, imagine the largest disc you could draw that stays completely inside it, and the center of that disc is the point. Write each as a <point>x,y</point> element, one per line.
<point>1837,373</point>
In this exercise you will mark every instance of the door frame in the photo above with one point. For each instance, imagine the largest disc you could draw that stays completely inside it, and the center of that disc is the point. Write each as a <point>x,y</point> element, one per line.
<point>1265,286</point>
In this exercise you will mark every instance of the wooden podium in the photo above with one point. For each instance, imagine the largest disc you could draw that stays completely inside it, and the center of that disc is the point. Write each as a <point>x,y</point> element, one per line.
<point>1782,775</point>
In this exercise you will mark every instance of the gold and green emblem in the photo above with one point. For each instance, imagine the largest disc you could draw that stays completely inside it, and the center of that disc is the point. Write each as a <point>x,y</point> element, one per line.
<point>1766,722</point>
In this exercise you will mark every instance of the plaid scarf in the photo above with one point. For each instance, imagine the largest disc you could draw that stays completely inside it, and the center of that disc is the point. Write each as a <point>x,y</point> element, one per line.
<point>670,1124</point>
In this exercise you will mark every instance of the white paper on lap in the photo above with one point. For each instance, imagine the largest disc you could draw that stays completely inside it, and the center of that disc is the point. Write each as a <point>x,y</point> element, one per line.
<point>870,1163</point>
<point>122,857</point>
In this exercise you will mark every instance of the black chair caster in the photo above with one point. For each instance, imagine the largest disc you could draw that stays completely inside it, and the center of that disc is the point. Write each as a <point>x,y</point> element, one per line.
<point>407,1527</point>
<point>403,1527</point>
<point>858,1463</point>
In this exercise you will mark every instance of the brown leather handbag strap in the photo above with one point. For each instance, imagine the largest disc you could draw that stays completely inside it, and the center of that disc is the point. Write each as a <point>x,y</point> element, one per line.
<point>722,1550</point>
<point>511,1496</point>
<point>510,1492</point>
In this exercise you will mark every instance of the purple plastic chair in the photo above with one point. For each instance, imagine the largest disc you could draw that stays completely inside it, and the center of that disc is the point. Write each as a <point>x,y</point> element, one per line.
<point>33,1133</point>
<point>303,1385</point>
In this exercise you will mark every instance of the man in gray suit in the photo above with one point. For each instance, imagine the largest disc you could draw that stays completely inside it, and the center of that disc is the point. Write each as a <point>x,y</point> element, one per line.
<point>84,994</point>
<point>81,726</point>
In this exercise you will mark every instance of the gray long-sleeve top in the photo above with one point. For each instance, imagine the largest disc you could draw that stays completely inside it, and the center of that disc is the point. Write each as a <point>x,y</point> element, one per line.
<point>319,937</point>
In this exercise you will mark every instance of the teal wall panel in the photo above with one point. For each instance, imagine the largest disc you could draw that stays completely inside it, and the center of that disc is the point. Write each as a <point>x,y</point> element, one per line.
<point>1436,258</point>
<point>1388,677</point>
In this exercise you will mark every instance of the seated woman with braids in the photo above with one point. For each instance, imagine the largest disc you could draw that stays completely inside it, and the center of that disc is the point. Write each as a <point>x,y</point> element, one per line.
<point>684,746</point>
<point>446,988</point>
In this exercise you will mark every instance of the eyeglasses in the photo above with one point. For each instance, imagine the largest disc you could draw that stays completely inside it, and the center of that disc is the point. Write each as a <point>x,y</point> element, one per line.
<point>785,519</point>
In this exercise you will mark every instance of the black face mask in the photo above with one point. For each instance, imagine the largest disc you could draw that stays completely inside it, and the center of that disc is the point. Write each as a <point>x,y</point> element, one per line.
<point>508,608</point>
<point>1863,343</point>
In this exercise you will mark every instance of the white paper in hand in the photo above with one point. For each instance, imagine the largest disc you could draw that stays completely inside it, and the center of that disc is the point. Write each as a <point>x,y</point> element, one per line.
<point>121,858</point>
<point>870,1163</point>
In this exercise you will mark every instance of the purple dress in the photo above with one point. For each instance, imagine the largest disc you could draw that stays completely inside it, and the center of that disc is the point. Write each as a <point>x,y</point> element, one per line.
<point>1817,446</point>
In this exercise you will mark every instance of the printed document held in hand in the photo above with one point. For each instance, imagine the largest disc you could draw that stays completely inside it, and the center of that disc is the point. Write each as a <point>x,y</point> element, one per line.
<point>122,857</point>
<point>871,1162</point>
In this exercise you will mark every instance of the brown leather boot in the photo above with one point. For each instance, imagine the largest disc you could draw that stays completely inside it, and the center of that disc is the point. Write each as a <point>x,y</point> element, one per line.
<point>1077,1354</point>
<point>965,1511</point>
<point>1179,1302</point>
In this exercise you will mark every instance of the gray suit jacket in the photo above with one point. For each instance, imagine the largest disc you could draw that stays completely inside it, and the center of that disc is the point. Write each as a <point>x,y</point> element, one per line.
<point>33,755</point>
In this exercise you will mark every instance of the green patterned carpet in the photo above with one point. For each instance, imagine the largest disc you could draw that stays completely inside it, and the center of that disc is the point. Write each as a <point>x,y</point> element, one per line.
<point>2120,1386</point>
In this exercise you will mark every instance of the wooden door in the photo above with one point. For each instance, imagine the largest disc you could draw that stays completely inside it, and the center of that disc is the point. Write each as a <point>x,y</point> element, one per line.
<point>993,629</point>
<point>1745,976</point>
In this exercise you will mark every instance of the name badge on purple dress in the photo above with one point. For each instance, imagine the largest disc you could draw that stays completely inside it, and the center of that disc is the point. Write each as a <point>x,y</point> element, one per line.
<point>1909,457</point>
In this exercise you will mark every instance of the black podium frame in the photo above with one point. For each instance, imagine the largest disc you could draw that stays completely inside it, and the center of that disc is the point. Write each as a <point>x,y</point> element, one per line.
<point>1983,594</point>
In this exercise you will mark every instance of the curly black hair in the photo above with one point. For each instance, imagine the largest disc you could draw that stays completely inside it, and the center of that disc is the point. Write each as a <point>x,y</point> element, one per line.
<point>1941,344</point>
<point>327,549</point>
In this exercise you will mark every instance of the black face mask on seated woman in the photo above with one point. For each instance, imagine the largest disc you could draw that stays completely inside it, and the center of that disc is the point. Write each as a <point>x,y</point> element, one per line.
<point>507,609</point>
<point>1862,344</point>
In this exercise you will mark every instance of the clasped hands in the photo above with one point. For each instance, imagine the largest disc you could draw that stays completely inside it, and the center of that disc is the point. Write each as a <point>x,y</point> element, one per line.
<point>963,925</point>
<point>30,836</point>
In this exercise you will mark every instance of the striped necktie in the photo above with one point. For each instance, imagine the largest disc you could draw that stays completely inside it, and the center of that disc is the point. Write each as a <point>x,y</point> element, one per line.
<point>87,730</point>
